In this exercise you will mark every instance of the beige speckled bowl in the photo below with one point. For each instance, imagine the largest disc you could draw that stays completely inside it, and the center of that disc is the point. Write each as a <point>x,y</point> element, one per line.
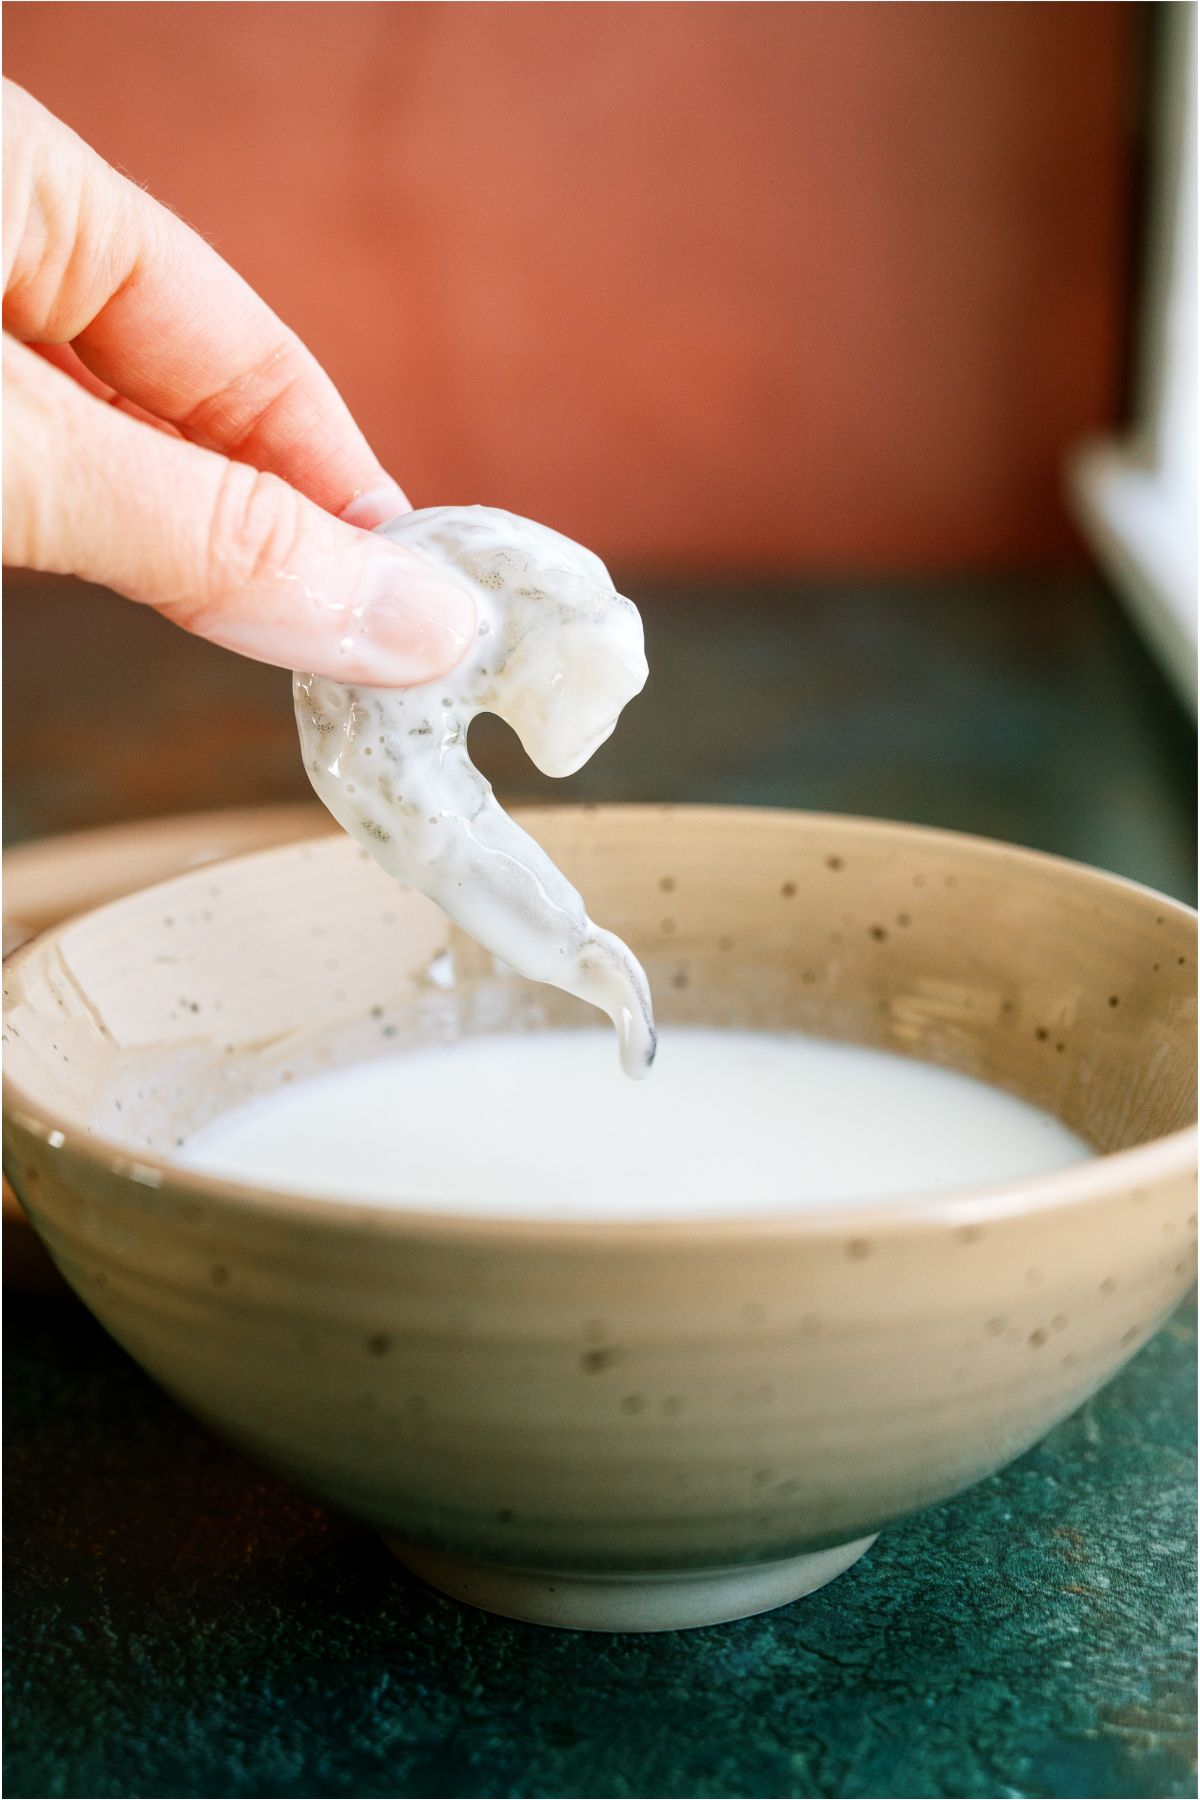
<point>628,1426</point>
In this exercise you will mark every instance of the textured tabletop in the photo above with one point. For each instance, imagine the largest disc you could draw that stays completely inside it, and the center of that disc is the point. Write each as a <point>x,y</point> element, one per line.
<point>180,1624</point>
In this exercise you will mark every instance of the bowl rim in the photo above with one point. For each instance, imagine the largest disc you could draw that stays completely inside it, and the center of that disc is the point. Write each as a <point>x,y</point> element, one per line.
<point>1098,1178</point>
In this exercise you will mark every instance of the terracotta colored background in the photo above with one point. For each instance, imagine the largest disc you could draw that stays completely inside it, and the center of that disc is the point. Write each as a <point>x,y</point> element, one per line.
<point>738,286</point>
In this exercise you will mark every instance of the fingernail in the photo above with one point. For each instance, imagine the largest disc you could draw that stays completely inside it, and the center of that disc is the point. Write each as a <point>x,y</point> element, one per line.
<point>416,627</point>
<point>376,506</point>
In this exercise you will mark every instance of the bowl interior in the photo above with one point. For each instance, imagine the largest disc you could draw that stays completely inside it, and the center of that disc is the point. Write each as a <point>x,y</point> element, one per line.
<point>142,1021</point>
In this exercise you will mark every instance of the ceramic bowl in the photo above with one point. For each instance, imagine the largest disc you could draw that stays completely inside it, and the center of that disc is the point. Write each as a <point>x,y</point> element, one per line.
<point>630,1425</point>
<point>52,878</point>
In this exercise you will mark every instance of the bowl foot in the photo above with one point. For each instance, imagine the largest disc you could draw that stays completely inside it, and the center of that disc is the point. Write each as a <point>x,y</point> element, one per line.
<point>660,1601</point>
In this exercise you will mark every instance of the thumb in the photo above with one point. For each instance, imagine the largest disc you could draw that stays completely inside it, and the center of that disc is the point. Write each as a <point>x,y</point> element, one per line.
<point>231,554</point>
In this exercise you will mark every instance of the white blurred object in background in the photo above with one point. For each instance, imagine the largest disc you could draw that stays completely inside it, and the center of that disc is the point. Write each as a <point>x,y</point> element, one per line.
<point>1136,496</point>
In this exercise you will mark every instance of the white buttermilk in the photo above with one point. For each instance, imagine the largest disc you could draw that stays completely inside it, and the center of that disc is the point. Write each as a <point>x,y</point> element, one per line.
<point>542,1125</point>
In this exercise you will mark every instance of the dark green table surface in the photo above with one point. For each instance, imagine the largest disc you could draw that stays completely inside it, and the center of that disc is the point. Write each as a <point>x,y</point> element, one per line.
<point>180,1624</point>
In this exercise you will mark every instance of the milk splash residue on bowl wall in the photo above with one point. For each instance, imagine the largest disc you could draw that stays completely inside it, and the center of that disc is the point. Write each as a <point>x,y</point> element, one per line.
<point>557,655</point>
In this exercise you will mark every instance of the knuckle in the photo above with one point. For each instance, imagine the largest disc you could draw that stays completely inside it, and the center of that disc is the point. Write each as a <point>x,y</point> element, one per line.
<point>255,531</point>
<point>37,422</point>
<point>241,412</point>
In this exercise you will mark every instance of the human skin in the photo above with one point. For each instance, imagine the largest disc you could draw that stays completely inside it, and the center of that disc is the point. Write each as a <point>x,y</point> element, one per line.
<point>167,436</point>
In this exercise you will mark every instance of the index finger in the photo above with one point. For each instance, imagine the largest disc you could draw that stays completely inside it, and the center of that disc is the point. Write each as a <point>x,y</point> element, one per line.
<point>152,310</point>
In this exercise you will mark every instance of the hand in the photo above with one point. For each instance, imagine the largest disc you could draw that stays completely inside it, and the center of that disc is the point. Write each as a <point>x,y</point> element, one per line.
<point>166,435</point>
